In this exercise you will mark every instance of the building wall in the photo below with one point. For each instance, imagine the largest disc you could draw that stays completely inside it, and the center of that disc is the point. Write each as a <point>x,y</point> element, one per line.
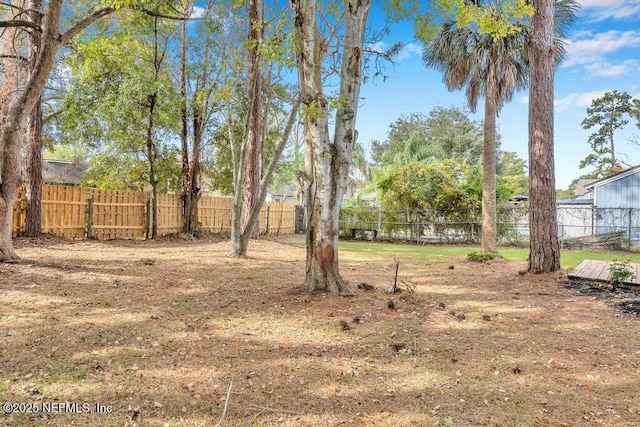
<point>618,206</point>
<point>621,193</point>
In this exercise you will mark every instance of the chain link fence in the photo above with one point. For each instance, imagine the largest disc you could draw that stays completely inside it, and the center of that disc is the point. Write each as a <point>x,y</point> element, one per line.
<point>579,227</point>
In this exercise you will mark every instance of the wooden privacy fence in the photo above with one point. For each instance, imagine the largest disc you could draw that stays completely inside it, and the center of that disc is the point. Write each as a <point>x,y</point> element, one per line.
<point>78,213</point>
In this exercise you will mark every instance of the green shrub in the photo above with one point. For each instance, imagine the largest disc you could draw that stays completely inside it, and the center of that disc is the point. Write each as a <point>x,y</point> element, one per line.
<point>481,256</point>
<point>619,272</point>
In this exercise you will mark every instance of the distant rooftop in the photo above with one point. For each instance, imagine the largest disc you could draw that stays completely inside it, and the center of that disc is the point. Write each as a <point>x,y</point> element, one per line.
<point>580,186</point>
<point>62,172</point>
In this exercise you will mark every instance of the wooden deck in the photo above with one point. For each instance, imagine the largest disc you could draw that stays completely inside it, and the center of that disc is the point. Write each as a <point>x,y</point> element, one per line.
<point>599,271</point>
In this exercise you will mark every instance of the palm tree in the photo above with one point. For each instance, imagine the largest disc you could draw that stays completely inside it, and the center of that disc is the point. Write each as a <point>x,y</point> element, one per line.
<point>417,148</point>
<point>494,68</point>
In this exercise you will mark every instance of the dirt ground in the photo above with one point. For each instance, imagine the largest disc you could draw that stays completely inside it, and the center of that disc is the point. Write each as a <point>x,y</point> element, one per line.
<point>191,337</point>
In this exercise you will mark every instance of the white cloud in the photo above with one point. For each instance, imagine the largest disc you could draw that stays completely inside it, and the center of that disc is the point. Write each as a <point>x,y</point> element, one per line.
<point>409,50</point>
<point>599,10</point>
<point>600,3</point>
<point>619,13</point>
<point>572,100</point>
<point>588,48</point>
<point>197,12</point>
<point>575,99</point>
<point>592,52</point>
<point>606,69</point>
<point>378,47</point>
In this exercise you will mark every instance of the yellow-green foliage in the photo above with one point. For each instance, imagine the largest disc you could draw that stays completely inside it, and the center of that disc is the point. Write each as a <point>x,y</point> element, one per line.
<point>497,18</point>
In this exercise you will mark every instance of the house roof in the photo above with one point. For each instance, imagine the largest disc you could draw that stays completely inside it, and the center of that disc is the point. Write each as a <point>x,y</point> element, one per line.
<point>581,186</point>
<point>574,201</point>
<point>614,177</point>
<point>62,172</point>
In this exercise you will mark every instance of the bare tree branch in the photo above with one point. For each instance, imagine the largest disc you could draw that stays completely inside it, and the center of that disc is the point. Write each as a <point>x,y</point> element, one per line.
<point>53,115</point>
<point>76,29</point>
<point>19,57</point>
<point>19,23</point>
<point>164,16</point>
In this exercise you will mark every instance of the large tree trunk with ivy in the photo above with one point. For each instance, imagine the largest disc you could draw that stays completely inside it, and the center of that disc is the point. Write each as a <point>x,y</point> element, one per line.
<point>152,159</point>
<point>544,255</point>
<point>195,190</point>
<point>327,161</point>
<point>254,121</point>
<point>489,234</point>
<point>246,190</point>
<point>191,169</point>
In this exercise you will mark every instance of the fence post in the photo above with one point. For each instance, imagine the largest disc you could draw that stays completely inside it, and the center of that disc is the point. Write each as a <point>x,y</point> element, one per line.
<point>89,219</point>
<point>630,210</point>
<point>267,220</point>
<point>147,218</point>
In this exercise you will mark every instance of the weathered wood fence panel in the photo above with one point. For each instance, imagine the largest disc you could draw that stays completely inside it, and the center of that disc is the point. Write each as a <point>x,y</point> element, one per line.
<point>77,213</point>
<point>19,206</point>
<point>281,218</point>
<point>214,214</point>
<point>169,214</point>
<point>64,210</point>
<point>118,214</point>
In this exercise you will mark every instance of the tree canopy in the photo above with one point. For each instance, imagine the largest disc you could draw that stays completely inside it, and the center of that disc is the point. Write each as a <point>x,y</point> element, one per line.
<point>443,133</point>
<point>606,115</point>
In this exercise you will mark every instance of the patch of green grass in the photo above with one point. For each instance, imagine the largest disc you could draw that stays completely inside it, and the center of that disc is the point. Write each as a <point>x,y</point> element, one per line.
<point>68,373</point>
<point>406,250</point>
<point>569,259</point>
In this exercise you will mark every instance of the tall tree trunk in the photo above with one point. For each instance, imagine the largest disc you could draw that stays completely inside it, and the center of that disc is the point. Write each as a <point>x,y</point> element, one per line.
<point>195,192</point>
<point>254,133</point>
<point>8,88</point>
<point>544,255</point>
<point>152,156</point>
<point>184,133</point>
<point>613,147</point>
<point>14,124</point>
<point>152,147</point>
<point>327,162</point>
<point>33,184</point>
<point>489,234</point>
<point>11,65</point>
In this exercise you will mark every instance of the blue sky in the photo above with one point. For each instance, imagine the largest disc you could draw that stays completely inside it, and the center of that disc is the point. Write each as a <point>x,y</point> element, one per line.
<point>603,55</point>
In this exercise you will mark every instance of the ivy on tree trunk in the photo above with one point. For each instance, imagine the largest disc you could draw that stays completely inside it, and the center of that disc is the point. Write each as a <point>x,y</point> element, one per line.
<point>254,120</point>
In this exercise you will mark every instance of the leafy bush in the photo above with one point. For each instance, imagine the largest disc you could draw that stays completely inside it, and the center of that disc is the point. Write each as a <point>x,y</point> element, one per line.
<point>620,272</point>
<point>481,256</point>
